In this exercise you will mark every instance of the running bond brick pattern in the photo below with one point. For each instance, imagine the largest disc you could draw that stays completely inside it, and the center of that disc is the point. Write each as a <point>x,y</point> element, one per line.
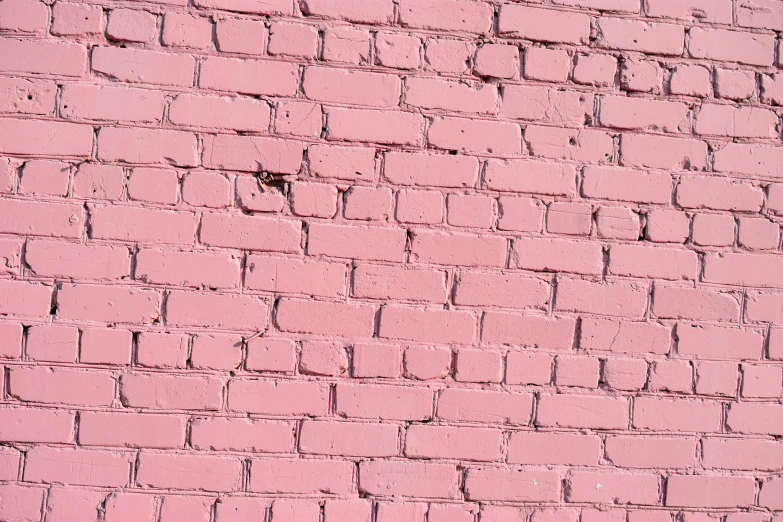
<point>391,261</point>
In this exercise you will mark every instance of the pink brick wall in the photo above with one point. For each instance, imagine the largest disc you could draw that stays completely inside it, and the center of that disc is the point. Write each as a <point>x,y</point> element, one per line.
<point>501,261</point>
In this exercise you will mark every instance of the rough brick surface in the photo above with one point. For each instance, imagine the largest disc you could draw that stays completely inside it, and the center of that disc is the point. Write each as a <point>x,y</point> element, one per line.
<point>391,261</point>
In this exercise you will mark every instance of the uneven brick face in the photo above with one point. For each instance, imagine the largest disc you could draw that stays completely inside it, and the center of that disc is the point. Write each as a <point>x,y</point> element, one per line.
<point>391,261</point>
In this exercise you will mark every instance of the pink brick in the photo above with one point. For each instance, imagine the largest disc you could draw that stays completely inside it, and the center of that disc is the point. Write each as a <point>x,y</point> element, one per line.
<point>44,177</point>
<point>364,125</point>
<point>292,276</point>
<point>207,190</point>
<point>342,162</point>
<point>106,346</point>
<point>736,454</point>
<point>269,154</point>
<point>675,376</point>
<point>313,200</point>
<point>324,318</point>
<point>636,113</point>
<point>236,35</point>
<point>120,506</point>
<point>419,206</point>
<point>671,302</point>
<point>268,7</point>
<point>108,103</point>
<point>130,25</point>
<point>197,509</point>
<point>297,40</point>
<point>594,69</point>
<point>181,30</point>
<point>384,402</point>
<point>50,258</point>
<point>623,488</point>
<point>154,185</point>
<point>434,93</point>
<point>511,485</point>
<point>497,61</point>
<point>27,95</point>
<point>667,226</point>
<point>9,463</point>
<point>216,351</point>
<point>751,159</point>
<point>617,299</point>
<point>242,114</point>
<point>77,466</point>
<point>537,331</point>
<point>735,85</point>
<point>21,503</point>
<point>541,104</point>
<point>686,415</point>
<point>547,65</point>
<point>147,146</point>
<point>348,510</point>
<point>519,214</point>
<point>36,425</point>
<point>397,51</point>
<point>248,76</point>
<point>368,203</point>
<point>371,360</point>
<point>716,378</point>
<point>770,494</point>
<point>718,194</point>
<point>63,504</point>
<point>709,491</point>
<point>662,152</point>
<point>236,312</point>
<point>452,512</point>
<point>574,219</point>
<point>241,434</point>
<point>640,75</point>
<point>24,16</point>
<point>553,448</point>
<point>160,391</point>
<point>346,45</point>
<point>323,358</point>
<point>453,15</point>
<point>299,119</point>
<point>762,381</point>
<point>755,418</point>
<point>617,223</point>
<point>624,337</point>
<point>772,89</point>
<point>648,452</point>
<point>427,325</point>
<point>648,37</point>
<point>131,430</point>
<point>691,80</point>
<point>242,509</point>
<point>400,511</point>
<point>383,282</point>
<point>278,397</point>
<point>11,340</point>
<point>742,122</point>
<point>189,471</point>
<point>348,439</point>
<point>711,342</point>
<point>142,66</point>
<point>568,411</point>
<point>293,510</point>
<point>758,234</point>
<point>577,371</point>
<point>470,211</point>
<point>664,263</point>
<point>50,138</point>
<point>425,363</point>
<point>358,88</point>
<point>271,355</point>
<point>585,145</point>
<point>494,407</point>
<point>764,307</point>
<point>251,232</point>
<point>731,46</point>
<point>301,477</point>
<point>160,350</point>
<point>10,256</point>
<point>98,181</point>
<point>557,255</point>
<point>23,298</point>
<point>544,25</point>
<point>446,55</point>
<point>430,170</point>
<point>713,230</point>
<point>52,343</point>
<point>692,10</point>
<point>478,366</point>
<point>528,368</point>
<point>61,386</point>
<point>423,479</point>
<point>476,136</point>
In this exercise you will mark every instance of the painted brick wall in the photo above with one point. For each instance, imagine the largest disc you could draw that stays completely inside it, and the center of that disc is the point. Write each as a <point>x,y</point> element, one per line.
<point>391,261</point>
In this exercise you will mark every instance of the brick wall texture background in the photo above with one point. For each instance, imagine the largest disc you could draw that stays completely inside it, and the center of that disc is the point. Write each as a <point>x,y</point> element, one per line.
<point>391,261</point>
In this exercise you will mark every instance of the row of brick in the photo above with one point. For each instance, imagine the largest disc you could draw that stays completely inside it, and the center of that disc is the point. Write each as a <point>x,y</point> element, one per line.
<point>81,503</point>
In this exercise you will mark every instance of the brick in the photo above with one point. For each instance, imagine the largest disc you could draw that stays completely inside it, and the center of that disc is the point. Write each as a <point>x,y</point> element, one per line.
<point>72,260</point>
<point>292,276</point>
<point>494,407</point>
<point>640,114</point>
<point>546,65</point>
<point>452,15</point>
<point>763,307</point>
<point>323,358</point>
<point>384,402</point>
<point>618,184</point>
<point>249,76</point>
<point>478,366</point>
<point>364,125</point>
<point>189,471</point>
<point>142,66</point>
<point>348,510</point>
<point>31,425</point>
<point>376,360</point>
<point>193,309</point>
<point>735,85</point>
<point>430,170</point>
<point>423,479</point>
<point>207,190</point>
<point>241,114</point>
<point>434,93</point>
<point>571,411</point>
<point>424,363</point>
<point>615,299</point>
<point>770,494</point>
<point>756,418</point>
<point>278,397</point>
<point>61,386</point>
<point>696,304</point>
<point>644,261</point>
<point>249,508</point>
<point>354,87</point>
<point>251,233</point>
<point>736,454</point>
<point>81,504</point>
<point>131,25</point>
<point>714,342</point>
<point>691,80</point>
<point>52,343</point>
<point>161,350</point>
<point>675,376</point>
<point>497,61</point>
<point>393,283</point>
<point>342,162</point>
<point>182,30</point>
<point>640,76</point>
<point>42,56</point>
<point>537,331</point>
<point>154,185</point>
<point>731,46</point>
<point>397,51</point>
<point>692,10</point>
<point>718,194</point>
<point>368,203</point>
<point>543,25</point>
<point>613,487</point>
<point>584,145</point>
<point>11,340</point>
<point>150,146</point>
<point>667,226</point>
<point>716,378</point>
<point>106,346</point>
<point>49,138</point>
<point>77,466</point>
<point>625,374</point>
<point>131,430</point>
<point>108,304</point>
<point>477,444</point>
<point>662,152</point>
<point>301,477</point>
<point>676,415</point>
<point>98,181</point>
<point>623,6</point>
<point>736,122</point>
<point>27,95</point>
<point>539,104</point>
<point>24,17</point>
<point>271,355</point>
<point>594,69</point>
<point>476,136</point>
<point>506,290</point>
<point>299,119</point>
<point>557,255</point>
<point>348,439</point>
<point>446,55</point>
<point>618,223</point>
<point>216,352</point>
<point>772,89</point>
<point>542,448</point>
<point>346,45</point>
<point>452,512</point>
<point>419,206</point>
<point>109,103</point>
<point>758,234</point>
<point>398,511</point>
<point>236,35</point>
<point>519,214</point>
<point>762,381</point>
<point>21,503</point>
<point>470,211</point>
<point>23,298</point>
<point>197,509</point>
<point>10,256</point>
<point>530,177</point>
<point>297,40</point>
<point>120,505</point>
<point>624,337</point>
<point>709,491</point>
<point>44,177</point>
<point>491,484</point>
<point>650,452</point>
<point>577,371</point>
<point>313,200</point>
<point>528,368</point>
<point>241,434</point>
<point>751,159</point>
<point>291,510</point>
<point>573,219</point>
<point>170,392</point>
<point>265,7</point>
<point>646,37</point>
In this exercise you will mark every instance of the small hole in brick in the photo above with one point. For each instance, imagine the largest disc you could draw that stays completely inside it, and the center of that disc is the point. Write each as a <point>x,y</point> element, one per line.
<point>29,96</point>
